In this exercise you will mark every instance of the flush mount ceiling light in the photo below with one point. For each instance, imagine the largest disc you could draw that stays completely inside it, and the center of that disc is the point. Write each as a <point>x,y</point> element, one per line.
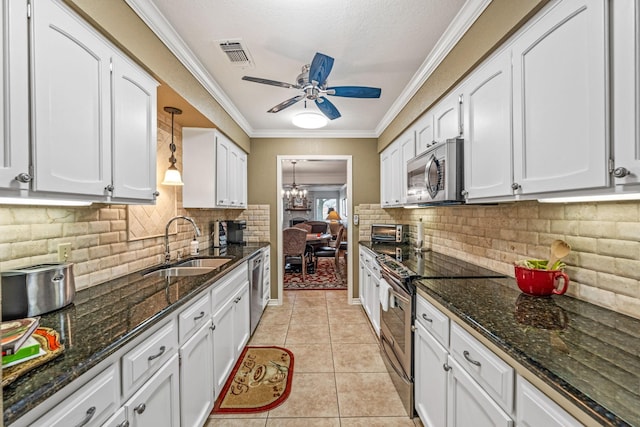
<point>310,120</point>
<point>172,175</point>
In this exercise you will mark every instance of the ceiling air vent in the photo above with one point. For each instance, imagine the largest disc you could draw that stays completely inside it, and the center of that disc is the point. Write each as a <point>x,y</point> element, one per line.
<point>238,55</point>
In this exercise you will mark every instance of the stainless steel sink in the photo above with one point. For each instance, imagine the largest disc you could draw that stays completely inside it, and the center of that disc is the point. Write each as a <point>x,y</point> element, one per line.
<point>179,271</point>
<point>210,263</point>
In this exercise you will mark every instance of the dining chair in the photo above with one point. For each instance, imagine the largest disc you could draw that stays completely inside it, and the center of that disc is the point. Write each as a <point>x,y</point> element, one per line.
<point>294,243</point>
<point>332,249</point>
<point>318,226</point>
<point>303,225</point>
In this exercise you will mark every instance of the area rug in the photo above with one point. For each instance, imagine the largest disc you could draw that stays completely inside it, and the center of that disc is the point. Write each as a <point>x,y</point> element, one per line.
<point>324,277</point>
<point>260,381</point>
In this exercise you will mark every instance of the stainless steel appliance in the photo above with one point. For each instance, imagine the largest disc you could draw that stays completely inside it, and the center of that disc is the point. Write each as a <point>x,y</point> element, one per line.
<point>35,290</point>
<point>436,176</point>
<point>219,234</point>
<point>255,289</point>
<point>389,233</point>
<point>235,232</point>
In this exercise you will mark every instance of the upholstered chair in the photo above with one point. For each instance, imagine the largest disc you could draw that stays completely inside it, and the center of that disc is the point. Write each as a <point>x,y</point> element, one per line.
<point>294,242</point>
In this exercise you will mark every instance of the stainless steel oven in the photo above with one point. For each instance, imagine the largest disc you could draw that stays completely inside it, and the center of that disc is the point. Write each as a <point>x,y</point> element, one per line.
<point>396,336</point>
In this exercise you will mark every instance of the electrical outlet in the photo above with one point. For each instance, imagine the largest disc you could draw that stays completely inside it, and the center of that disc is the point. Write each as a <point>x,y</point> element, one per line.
<point>64,250</point>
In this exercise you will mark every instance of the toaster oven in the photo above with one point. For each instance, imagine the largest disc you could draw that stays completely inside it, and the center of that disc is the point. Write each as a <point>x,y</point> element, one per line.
<point>389,233</point>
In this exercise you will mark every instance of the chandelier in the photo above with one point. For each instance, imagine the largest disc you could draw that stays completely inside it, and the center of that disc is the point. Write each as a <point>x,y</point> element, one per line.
<point>294,191</point>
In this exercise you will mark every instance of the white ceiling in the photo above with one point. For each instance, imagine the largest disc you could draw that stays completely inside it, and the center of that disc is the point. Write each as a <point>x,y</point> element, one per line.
<point>389,44</point>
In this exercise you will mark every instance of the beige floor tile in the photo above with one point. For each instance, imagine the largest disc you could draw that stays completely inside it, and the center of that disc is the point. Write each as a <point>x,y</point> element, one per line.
<point>357,358</point>
<point>303,422</point>
<point>267,334</point>
<point>276,315</point>
<point>305,334</point>
<point>376,422</point>
<point>309,316</point>
<point>339,295</point>
<point>352,333</point>
<point>347,315</point>
<point>309,294</point>
<point>311,357</point>
<point>312,395</point>
<point>302,302</point>
<point>236,422</point>
<point>340,304</point>
<point>368,394</point>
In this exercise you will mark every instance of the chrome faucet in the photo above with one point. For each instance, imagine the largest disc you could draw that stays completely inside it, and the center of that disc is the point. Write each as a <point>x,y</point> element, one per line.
<point>167,254</point>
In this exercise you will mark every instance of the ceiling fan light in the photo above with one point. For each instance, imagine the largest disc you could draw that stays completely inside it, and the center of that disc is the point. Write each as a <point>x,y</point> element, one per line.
<point>310,120</point>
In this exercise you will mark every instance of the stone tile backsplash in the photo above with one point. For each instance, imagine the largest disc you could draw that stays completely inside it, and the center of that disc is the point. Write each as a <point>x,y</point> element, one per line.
<point>604,264</point>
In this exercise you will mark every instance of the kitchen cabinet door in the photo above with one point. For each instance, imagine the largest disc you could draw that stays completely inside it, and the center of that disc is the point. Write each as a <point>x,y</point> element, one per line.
<point>157,402</point>
<point>236,182</point>
<point>488,161</point>
<point>626,91</point>
<point>424,132</point>
<point>71,112</point>
<point>385,177</point>
<point>446,117</point>
<point>223,345</point>
<point>241,323</point>
<point>14,96</point>
<point>535,409</point>
<point>407,152</point>
<point>223,179</point>
<point>430,379</point>
<point>395,195</point>
<point>196,378</point>
<point>560,99</point>
<point>134,132</point>
<point>469,405</point>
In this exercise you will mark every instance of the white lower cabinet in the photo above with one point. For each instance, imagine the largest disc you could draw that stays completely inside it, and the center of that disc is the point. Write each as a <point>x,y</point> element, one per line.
<point>535,409</point>
<point>469,405</point>
<point>369,291</point>
<point>157,402</point>
<point>430,379</point>
<point>119,419</point>
<point>90,405</point>
<point>196,377</point>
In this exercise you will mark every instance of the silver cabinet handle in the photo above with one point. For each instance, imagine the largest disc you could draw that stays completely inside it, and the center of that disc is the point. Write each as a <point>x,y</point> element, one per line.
<point>446,367</point>
<point>515,186</point>
<point>140,408</point>
<point>155,356</point>
<point>125,423</point>
<point>109,187</point>
<point>469,359</point>
<point>212,327</point>
<point>90,413</point>
<point>156,193</point>
<point>24,177</point>
<point>200,316</point>
<point>621,172</point>
<point>237,300</point>
<point>424,316</point>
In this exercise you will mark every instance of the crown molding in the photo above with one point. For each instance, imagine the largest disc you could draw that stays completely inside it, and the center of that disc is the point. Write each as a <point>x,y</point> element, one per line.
<point>458,27</point>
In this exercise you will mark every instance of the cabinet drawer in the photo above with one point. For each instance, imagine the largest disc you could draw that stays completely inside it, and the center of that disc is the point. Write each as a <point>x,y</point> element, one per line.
<point>148,356</point>
<point>536,409</point>
<point>90,405</point>
<point>191,318</point>
<point>433,320</point>
<point>228,286</point>
<point>493,374</point>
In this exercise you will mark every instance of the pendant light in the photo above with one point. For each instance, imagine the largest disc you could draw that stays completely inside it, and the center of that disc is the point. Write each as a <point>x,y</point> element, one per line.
<point>172,175</point>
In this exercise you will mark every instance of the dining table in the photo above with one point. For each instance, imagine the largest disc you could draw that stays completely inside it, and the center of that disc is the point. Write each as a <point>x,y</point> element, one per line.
<point>318,237</point>
<point>314,240</point>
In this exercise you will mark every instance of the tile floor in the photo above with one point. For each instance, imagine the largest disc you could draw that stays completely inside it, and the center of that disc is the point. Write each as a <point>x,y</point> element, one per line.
<point>339,377</point>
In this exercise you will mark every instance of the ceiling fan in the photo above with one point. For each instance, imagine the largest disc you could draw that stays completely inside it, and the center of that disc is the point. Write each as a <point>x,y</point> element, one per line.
<point>313,82</point>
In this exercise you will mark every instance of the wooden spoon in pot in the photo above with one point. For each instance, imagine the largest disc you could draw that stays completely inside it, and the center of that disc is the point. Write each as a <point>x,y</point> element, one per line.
<point>559,250</point>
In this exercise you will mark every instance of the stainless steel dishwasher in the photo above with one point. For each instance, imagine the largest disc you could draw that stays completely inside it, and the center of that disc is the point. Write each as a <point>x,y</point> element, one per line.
<point>255,286</point>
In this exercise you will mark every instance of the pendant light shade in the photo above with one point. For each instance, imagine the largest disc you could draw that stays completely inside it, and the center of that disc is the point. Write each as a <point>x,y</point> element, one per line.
<point>172,175</point>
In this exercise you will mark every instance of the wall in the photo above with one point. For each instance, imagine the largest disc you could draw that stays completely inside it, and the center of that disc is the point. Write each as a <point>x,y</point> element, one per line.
<point>262,165</point>
<point>499,20</point>
<point>604,265</point>
<point>98,234</point>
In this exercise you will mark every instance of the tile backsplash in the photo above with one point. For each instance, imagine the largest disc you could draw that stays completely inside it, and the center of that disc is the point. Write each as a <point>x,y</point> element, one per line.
<point>604,264</point>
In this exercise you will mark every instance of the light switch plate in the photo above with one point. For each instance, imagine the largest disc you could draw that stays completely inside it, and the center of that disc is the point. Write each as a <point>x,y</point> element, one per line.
<point>356,219</point>
<point>64,250</point>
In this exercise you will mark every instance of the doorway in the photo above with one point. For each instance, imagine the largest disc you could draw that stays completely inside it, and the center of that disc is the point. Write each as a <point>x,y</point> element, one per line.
<point>316,178</point>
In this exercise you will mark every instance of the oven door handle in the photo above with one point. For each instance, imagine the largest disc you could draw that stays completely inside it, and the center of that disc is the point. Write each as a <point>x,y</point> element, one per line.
<point>400,297</point>
<point>393,359</point>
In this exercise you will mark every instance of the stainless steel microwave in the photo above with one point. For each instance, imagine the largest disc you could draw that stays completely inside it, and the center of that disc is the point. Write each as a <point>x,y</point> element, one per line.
<point>436,176</point>
<point>389,233</point>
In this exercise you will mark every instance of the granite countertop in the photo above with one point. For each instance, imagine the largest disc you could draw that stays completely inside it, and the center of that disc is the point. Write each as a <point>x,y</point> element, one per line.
<point>103,319</point>
<point>589,354</point>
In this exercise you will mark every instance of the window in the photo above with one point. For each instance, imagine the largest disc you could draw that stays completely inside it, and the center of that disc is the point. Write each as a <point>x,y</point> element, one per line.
<point>322,207</point>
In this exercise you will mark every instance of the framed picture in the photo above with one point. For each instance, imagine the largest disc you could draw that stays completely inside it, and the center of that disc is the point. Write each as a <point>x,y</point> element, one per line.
<point>298,202</point>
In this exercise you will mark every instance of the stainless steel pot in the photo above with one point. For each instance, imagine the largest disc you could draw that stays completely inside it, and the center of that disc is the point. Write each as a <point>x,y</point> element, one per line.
<point>35,290</point>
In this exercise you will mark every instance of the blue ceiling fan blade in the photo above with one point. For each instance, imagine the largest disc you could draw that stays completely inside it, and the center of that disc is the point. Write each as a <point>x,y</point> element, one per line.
<point>327,108</point>
<point>355,91</point>
<point>320,68</point>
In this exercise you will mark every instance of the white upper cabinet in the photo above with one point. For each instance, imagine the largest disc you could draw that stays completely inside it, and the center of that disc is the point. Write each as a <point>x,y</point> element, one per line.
<point>487,118</point>
<point>424,132</point>
<point>393,169</point>
<point>71,103</point>
<point>134,131</point>
<point>14,96</point>
<point>560,90</point>
<point>626,91</point>
<point>446,117</point>
<point>214,170</point>
<point>407,152</point>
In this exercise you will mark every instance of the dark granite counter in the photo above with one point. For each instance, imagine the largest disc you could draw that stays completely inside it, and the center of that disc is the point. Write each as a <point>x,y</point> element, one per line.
<point>102,320</point>
<point>589,354</point>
